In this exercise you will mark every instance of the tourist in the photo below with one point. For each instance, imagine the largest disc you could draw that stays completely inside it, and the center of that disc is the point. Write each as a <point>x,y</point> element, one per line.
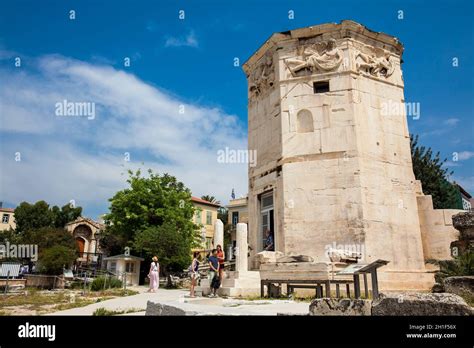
<point>214,272</point>
<point>153,274</point>
<point>269,243</point>
<point>194,272</point>
<point>221,258</point>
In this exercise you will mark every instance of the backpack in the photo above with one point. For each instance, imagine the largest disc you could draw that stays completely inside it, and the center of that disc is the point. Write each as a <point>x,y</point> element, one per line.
<point>190,268</point>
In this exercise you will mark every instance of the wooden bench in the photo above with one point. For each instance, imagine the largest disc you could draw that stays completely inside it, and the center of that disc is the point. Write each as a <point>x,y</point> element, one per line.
<point>291,285</point>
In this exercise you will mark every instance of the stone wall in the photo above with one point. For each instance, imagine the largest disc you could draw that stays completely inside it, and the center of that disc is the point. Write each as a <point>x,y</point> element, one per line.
<point>437,229</point>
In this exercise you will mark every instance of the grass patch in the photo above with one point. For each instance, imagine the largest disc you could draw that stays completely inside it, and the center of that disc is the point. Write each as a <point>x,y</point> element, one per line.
<point>77,304</point>
<point>33,298</point>
<point>106,312</point>
<point>37,302</point>
<point>468,298</point>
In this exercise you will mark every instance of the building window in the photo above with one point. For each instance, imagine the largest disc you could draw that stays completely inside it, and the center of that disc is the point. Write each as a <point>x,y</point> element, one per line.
<point>198,216</point>
<point>208,218</point>
<point>267,201</point>
<point>5,218</point>
<point>130,267</point>
<point>113,267</point>
<point>208,243</point>
<point>304,121</point>
<point>321,87</point>
<point>235,218</point>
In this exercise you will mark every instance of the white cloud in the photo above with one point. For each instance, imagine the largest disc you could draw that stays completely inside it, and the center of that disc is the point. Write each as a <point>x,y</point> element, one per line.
<point>451,164</point>
<point>451,121</point>
<point>188,41</point>
<point>465,155</point>
<point>67,158</point>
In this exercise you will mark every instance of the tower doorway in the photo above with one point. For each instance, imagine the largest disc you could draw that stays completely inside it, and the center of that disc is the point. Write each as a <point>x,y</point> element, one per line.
<point>266,220</point>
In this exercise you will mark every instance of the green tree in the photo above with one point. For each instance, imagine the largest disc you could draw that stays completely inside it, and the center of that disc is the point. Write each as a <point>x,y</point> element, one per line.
<point>151,206</point>
<point>66,214</point>
<point>172,248</point>
<point>33,216</point>
<point>44,226</point>
<point>55,258</point>
<point>47,237</point>
<point>211,199</point>
<point>223,214</point>
<point>428,168</point>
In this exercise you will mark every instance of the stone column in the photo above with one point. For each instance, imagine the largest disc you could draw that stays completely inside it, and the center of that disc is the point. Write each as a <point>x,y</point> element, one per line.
<point>219,234</point>
<point>241,261</point>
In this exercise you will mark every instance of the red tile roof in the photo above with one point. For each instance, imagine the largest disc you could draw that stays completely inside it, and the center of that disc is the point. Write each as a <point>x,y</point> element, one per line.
<point>202,201</point>
<point>8,210</point>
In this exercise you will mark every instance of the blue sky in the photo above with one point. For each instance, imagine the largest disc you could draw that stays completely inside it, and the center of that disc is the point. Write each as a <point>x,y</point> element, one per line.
<point>190,63</point>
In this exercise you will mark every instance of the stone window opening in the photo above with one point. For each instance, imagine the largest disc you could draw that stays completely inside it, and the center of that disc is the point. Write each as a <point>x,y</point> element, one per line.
<point>320,87</point>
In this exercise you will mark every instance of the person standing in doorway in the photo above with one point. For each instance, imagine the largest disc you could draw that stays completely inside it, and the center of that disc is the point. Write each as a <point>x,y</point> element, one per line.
<point>153,274</point>
<point>269,242</point>
<point>214,273</point>
<point>221,258</point>
<point>194,272</point>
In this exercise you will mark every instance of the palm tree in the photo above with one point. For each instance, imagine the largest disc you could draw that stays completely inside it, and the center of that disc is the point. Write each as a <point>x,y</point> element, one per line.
<point>211,199</point>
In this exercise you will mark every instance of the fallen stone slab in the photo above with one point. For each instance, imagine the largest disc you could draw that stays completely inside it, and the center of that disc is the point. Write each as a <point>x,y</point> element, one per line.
<point>159,309</point>
<point>409,304</point>
<point>332,306</point>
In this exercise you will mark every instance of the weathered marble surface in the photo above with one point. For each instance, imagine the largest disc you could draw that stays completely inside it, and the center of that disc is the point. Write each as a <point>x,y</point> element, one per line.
<point>338,162</point>
<point>409,304</point>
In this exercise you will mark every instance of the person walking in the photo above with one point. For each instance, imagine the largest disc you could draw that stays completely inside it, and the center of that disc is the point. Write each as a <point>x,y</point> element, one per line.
<point>221,258</point>
<point>194,272</point>
<point>154,275</point>
<point>214,273</point>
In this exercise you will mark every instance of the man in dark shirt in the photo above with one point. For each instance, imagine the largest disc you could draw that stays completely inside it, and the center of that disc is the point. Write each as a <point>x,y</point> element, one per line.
<point>269,243</point>
<point>213,272</point>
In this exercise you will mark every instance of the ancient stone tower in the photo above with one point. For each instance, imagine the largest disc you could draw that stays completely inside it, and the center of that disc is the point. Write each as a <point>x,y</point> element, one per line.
<point>333,154</point>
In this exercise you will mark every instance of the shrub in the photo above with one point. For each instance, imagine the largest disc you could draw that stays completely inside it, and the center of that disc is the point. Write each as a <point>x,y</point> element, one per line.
<point>102,312</point>
<point>462,265</point>
<point>53,260</point>
<point>110,282</point>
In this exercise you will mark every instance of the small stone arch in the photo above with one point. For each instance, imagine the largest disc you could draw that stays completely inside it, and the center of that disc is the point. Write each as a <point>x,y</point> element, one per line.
<point>304,121</point>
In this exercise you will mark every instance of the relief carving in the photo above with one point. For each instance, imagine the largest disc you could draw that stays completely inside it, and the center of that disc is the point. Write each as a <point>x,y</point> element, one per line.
<point>319,57</point>
<point>376,63</point>
<point>262,78</point>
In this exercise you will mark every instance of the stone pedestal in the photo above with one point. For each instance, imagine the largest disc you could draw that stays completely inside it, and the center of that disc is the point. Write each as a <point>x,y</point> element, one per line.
<point>219,234</point>
<point>241,252</point>
<point>242,282</point>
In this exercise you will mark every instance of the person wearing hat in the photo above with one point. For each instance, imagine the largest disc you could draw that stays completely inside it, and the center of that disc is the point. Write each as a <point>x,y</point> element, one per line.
<point>154,275</point>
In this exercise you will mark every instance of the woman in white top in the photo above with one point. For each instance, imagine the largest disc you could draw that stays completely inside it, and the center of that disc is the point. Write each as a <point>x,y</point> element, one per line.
<point>154,275</point>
